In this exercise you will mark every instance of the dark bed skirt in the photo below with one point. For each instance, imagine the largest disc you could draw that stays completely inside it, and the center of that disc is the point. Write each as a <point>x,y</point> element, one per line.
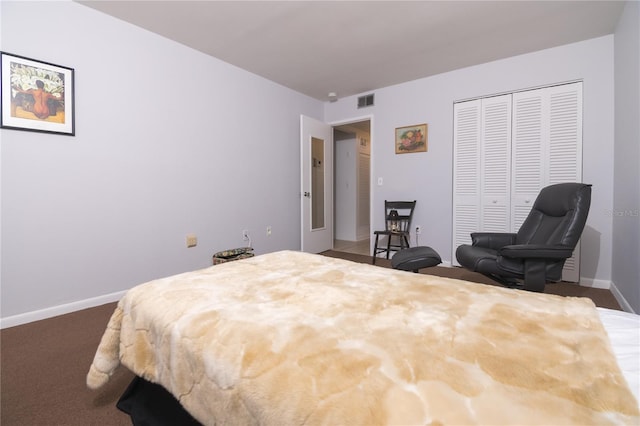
<point>149,404</point>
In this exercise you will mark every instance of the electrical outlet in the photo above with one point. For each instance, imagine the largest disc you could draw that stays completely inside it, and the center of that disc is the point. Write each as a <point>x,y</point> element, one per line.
<point>418,230</point>
<point>269,231</point>
<point>245,235</point>
<point>192,240</point>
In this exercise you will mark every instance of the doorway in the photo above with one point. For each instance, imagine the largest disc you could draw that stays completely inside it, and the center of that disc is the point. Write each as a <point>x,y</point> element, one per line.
<point>352,187</point>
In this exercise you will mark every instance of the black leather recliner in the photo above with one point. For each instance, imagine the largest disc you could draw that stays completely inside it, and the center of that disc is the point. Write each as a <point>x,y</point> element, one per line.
<point>537,252</point>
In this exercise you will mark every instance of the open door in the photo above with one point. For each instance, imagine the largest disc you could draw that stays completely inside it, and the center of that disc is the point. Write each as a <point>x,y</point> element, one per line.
<point>316,165</point>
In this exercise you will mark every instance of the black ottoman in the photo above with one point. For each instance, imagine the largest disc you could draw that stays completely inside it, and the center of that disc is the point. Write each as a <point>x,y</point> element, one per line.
<point>415,258</point>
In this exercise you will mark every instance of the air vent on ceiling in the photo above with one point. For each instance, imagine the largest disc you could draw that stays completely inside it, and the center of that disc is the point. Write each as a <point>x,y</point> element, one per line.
<point>365,101</point>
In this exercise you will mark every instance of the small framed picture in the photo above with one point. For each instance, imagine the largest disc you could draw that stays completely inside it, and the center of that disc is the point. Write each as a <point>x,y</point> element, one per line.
<point>411,139</point>
<point>36,96</point>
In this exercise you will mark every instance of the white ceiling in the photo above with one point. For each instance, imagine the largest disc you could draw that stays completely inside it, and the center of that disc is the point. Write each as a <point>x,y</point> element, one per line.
<point>352,47</point>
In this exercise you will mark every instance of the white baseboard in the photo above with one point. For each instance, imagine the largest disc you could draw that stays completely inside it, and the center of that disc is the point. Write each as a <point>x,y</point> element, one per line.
<point>594,283</point>
<point>621,299</point>
<point>54,311</point>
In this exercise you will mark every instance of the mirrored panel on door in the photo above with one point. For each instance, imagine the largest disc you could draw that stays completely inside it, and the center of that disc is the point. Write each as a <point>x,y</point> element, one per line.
<point>317,183</point>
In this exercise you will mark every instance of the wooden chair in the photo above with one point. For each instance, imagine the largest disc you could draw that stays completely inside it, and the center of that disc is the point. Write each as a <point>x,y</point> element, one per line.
<point>398,215</point>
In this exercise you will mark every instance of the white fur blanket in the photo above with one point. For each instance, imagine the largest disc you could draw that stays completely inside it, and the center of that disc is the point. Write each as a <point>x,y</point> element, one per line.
<point>292,338</point>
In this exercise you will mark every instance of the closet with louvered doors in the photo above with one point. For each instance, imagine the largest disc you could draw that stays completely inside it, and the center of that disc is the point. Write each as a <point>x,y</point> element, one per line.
<point>506,149</point>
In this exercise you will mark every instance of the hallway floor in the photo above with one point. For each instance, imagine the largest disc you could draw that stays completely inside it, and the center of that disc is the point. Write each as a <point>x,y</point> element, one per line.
<point>355,247</point>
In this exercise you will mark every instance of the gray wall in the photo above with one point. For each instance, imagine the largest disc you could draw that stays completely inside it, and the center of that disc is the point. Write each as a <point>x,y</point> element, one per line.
<point>167,145</point>
<point>168,142</point>
<point>427,177</point>
<point>625,211</point>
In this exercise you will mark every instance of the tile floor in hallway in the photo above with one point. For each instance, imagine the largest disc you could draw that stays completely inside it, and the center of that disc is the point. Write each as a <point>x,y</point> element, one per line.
<point>356,247</point>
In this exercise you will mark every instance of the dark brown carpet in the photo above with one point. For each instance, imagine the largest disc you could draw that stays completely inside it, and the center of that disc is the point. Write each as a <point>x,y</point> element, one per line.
<point>43,369</point>
<point>44,363</point>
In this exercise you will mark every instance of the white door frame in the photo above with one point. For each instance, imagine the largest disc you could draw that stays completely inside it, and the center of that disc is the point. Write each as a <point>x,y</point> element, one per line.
<point>332,177</point>
<point>353,120</point>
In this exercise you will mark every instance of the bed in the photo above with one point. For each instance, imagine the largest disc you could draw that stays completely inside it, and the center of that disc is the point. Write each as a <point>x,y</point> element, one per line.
<point>294,338</point>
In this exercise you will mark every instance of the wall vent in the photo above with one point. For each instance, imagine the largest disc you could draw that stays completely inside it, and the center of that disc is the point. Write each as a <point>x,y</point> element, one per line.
<point>365,101</point>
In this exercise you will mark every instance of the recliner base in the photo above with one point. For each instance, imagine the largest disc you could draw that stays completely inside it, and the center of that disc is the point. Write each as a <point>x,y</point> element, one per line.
<point>510,282</point>
<point>505,281</point>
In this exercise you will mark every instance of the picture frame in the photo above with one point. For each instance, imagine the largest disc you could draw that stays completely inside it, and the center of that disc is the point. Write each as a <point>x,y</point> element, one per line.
<point>36,96</point>
<point>411,139</point>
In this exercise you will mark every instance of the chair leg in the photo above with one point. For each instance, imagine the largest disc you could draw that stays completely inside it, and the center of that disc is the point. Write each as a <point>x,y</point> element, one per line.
<point>534,279</point>
<point>534,275</point>
<point>388,245</point>
<point>504,281</point>
<point>375,250</point>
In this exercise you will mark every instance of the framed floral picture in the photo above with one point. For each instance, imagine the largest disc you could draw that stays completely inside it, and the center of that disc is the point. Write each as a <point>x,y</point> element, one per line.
<point>36,96</point>
<point>411,139</point>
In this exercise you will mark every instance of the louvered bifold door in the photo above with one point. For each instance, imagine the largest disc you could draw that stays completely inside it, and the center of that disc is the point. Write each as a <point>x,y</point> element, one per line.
<point>546,149</point>
<point>495,160</point>
<point>565,134</point>
<point>564,153</point>
<point>466,173</point>
<point>528,153</point>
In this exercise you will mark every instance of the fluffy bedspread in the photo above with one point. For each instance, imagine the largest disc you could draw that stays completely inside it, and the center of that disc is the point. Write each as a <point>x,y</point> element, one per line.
<point>289,338</point>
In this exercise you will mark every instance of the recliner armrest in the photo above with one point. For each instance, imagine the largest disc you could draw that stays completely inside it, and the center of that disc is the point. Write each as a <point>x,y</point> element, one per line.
<point>492,240</point>
<point>539,251</point>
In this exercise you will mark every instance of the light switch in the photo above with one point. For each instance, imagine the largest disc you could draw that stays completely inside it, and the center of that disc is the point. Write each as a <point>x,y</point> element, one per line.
<point>379,181</point>
<point>192,240</point>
